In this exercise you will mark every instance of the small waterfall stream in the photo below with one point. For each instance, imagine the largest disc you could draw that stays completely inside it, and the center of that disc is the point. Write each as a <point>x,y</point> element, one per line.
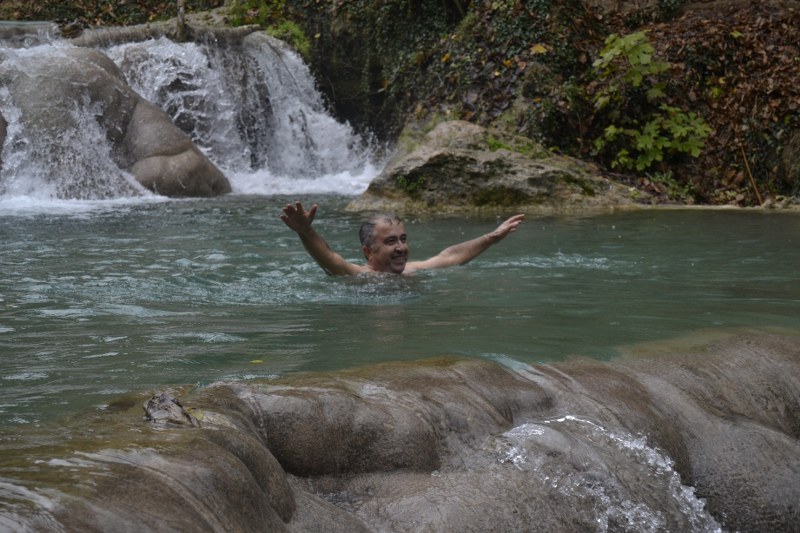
<point>252,109</point>
<point>249,104</point>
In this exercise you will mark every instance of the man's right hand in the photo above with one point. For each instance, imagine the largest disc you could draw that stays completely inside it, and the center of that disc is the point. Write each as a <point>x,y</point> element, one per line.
<point>298,218</point>
<point>300,221</point>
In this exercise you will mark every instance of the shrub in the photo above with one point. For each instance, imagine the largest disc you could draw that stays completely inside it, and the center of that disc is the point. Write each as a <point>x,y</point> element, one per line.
<point>638,127</point>
<point>292,34</point>
<point>261,12</point>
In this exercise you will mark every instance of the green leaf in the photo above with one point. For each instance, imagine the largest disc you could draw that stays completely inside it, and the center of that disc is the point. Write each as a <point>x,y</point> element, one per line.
<point>601,101</point>
<point>655,93</point>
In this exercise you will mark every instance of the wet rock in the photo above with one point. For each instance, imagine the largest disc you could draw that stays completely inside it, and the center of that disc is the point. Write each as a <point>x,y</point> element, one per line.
<point>53,85</point>
<point>164,409</point>
<point>416,417</point>
<point>462,167</point>
<point>21,34</point>
<point>164,158</point>
<point>672,442</point>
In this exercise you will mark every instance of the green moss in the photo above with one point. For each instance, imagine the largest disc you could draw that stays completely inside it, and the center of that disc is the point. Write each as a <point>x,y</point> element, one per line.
<point>496,144</point>
<point>500,196</point>
<point>261,12</point>
<point>411,136</point>
<point>293,35</point>
<point>587,189</point>
<point>411,184</point>
<point>518,144</point>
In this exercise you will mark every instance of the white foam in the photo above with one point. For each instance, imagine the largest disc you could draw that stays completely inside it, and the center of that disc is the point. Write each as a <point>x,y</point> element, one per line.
<point>40,204</point>
<point>263,182</point>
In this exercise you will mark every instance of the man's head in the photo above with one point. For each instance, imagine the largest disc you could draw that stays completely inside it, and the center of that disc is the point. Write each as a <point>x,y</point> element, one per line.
<point>383,241</point>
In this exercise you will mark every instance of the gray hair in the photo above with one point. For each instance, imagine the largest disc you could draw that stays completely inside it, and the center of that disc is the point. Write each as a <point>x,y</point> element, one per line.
<point>367,231</point>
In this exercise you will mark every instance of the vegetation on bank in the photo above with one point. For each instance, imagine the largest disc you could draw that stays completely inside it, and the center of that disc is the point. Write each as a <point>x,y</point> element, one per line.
<point>685,132</point>
<point>694,102</point>
<point>86,13</point>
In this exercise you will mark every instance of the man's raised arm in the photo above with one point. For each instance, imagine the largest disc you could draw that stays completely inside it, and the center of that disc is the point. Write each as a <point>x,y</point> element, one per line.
<point>300,221</point>
<point>461,253</point>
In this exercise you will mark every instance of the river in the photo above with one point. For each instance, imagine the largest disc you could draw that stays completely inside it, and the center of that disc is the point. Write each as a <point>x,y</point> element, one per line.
<point>102,298</point>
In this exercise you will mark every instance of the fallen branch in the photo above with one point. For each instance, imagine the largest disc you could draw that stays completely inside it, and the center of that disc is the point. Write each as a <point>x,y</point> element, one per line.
<point>750,174</point>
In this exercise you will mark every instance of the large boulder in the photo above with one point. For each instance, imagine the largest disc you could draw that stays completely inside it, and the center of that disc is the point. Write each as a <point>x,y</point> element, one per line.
<point>460,167</point>
<point>54,89</point>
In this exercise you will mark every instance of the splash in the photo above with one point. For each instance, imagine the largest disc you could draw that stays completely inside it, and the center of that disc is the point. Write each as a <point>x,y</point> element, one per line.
<point>76,163</point>
<point>621,482</point>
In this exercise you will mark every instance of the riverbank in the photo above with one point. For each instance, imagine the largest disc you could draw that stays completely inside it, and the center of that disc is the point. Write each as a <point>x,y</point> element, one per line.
<point>526,69</point>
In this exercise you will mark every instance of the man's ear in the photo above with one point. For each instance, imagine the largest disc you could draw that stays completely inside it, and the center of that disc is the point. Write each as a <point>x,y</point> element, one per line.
<point>367,251</point>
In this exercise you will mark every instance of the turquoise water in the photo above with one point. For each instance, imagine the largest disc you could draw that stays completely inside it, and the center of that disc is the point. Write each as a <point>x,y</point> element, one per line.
<point>102,299</point>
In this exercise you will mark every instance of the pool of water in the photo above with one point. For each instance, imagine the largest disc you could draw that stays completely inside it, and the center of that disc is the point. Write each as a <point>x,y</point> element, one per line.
<point>97,300</point>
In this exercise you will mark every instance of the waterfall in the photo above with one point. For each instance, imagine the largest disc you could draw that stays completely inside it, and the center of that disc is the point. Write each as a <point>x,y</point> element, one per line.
<point>249,104</point>
<point>72,162</point>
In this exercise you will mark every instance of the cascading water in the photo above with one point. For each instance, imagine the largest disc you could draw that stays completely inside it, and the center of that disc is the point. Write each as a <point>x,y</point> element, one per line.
<point>254,110</point>
<point>621,483</point>
<point>250,106</point>
<point>40,162</point>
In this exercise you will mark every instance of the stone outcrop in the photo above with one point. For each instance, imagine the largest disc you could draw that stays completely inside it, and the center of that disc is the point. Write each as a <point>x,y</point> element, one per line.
<point>441,445</point>
<point>461,167</point>
<point>48,88</point>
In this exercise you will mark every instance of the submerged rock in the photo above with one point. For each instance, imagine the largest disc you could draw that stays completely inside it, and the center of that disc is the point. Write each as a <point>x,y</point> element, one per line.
<point>680,442</point>
<point>460,166</point>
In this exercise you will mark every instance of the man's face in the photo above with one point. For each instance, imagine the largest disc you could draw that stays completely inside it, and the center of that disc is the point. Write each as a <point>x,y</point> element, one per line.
<point>389,251</point>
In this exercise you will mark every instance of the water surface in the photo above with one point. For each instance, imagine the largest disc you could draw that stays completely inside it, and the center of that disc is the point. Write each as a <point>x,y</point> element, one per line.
<point>99,299</point>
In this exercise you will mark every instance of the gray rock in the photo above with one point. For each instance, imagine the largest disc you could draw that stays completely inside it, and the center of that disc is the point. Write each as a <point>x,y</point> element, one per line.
<point>444,445</point>
<point>462,167</point>
<point>144,141</point>
<point>164,409</point>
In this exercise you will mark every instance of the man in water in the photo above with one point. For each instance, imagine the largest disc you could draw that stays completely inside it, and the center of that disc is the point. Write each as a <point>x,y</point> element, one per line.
<point>384,243</point>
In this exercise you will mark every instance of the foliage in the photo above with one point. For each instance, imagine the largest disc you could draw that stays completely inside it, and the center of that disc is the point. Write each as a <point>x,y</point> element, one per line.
<point>410,184</point>
<point>99,12</point>
<point>643,129</point>
<point>666,184</point>
<point>628,62</point>
<point>670,7</point>
<point>459,59</point>
<point>667,132</point>
<point>741,67</point>
<point>260,12</point>
<point>293,35</point>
